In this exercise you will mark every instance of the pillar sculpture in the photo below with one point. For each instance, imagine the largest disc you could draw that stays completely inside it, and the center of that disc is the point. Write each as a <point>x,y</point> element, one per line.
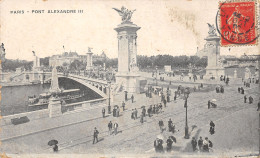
<point>89,60</point>
<point>212,47</point>
<point>127,75</point>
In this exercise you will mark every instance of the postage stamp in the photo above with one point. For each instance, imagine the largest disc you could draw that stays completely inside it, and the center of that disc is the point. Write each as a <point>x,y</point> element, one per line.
<point>237,23</point>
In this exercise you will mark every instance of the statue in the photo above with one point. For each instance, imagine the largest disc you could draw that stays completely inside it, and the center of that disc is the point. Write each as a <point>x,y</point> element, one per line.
<point>212,30</point>
<point>125,14</point>
<point>2,52</point>
<point>33,53</point>
<point>89,50</point>
<point>2,58</point>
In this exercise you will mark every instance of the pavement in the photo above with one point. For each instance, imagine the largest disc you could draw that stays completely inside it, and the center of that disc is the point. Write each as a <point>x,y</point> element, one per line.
<point>236,127</point>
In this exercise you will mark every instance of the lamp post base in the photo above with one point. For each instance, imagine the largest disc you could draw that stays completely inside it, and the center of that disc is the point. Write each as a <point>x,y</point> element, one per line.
<point>186,133</point>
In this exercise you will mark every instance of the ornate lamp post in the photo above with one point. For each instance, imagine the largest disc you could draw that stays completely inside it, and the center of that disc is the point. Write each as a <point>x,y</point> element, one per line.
<point>186,96</point>
<point>109,106</point>
<point>156,77</point>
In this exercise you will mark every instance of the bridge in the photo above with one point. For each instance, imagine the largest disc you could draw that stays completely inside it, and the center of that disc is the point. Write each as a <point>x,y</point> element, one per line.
<point>97,85</point>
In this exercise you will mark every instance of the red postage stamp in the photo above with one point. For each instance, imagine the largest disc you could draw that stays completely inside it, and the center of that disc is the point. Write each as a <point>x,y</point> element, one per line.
<point>238,23</point>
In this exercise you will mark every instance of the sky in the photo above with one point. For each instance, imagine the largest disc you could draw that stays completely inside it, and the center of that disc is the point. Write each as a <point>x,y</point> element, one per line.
<point>175,27</point>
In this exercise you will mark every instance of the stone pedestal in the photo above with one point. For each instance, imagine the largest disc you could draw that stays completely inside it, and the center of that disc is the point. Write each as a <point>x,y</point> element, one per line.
<point>127,76</point>
<point>89,66</point>
<point>212,47</point>
<point>54,107</point>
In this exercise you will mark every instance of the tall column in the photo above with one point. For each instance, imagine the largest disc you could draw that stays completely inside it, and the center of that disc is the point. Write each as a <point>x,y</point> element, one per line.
<point>212,47</point>
<point>89,60</point>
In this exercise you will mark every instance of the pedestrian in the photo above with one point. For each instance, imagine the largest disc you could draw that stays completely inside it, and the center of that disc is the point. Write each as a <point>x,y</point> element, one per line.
<point>125,95</point>
<point>160,145</point>
<point>212,127</point>
<point>250,99</point>
<point>115,128</point>
<point>117,111</point>
<point>132,98</point>
<point>149,111</point>
<point>55,148</point>
<point>243,91</point>
<point>164,102</point>
<point>170,125</point>
<point>200,143</point>
<point>258,108</point>
<point>169,144</point>
<point>206,145</point>
<point>245,99</point>
<point>142,118</point>
<point>194,144</point>
<point>209,104</point>
<point>210,144</point>
<point>103,112</point>
<point>135,113</point>
<point>238,89</point>
<point>155,144</point>
<point>158,107</point>
<point>95,135</point>
<point>110,126</point>
<point>161,125</point>
<point>144,111</point>
<point>123,105</point>
<point>168,98</point>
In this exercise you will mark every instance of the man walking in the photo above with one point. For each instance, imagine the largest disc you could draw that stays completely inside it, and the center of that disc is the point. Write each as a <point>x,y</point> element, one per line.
<point>132,98</point>
<point>123,105</point>
<point>194,144</point>
<point>169,144</point>
<point>110,127</point>
<point>103,112</point>
<point>212,127</point>
<point>245,99</point>
<point>95,135</point>
<point>161,125</point>
<point>206,145</point>
<point>115,128</point>
<point>250,99</point>
<point>135,112</point>
<point>200,143</point>
<point>144,111</point>
<point>170,125</point>
<point>164,102</point>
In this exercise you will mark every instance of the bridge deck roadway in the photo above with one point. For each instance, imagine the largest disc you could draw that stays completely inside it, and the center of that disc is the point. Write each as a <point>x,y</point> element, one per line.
<point>236,127</point>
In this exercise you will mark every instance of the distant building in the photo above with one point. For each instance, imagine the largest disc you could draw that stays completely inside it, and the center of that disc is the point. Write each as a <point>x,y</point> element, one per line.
<point>243,61</point>
<point>101,57</point>
<point>67,58</point>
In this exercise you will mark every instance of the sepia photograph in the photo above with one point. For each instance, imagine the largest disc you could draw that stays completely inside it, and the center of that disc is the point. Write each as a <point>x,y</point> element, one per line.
<point>129,78</point>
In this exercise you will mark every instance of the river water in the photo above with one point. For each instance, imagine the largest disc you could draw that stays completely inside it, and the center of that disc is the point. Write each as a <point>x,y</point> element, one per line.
<point>15,98</point>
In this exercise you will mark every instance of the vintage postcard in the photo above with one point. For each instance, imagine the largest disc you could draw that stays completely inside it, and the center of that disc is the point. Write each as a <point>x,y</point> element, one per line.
<point>129,78</point>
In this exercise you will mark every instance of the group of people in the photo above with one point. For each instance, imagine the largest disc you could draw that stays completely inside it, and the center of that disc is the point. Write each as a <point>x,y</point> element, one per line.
<point>219,89</point>
<point>204,145</point>
<point>241,90</point>
<point>224,79</point>
<point>250,99</point>
<point>158,144</point>
<point>154,109</point>
<point>171,127</point>
<point>112,128</point>
<point>134,114</point>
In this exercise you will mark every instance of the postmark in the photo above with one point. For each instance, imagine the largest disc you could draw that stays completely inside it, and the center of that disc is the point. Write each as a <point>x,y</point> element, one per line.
<point>237,23</point>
